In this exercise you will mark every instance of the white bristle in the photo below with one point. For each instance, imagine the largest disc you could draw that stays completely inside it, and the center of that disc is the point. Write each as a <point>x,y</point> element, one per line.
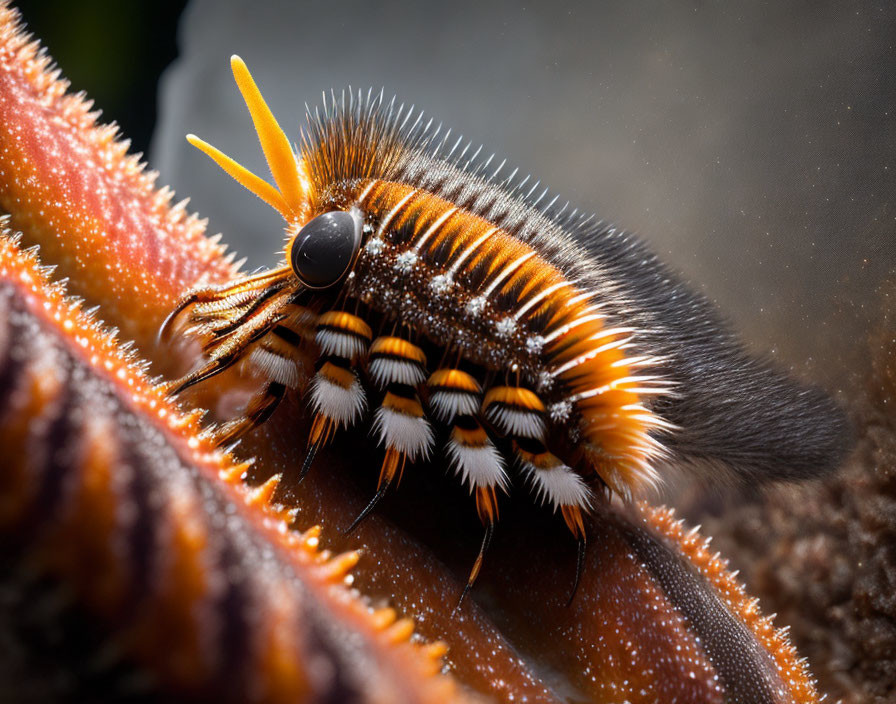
<point>558,486</point>
<point>275,367</point>
<point>446,405</point>
<point>521,424</point>
<point>408,434</point>
<point>385,371</point>
<point>478,466</point>
<point>340,344</point>
<point>341,405</point>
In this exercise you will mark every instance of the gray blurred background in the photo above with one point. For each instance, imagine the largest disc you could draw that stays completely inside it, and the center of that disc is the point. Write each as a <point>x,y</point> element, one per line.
<point>752,144</point>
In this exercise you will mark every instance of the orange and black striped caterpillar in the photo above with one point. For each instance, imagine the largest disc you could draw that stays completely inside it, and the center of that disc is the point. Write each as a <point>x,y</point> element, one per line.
<point>424,292</point>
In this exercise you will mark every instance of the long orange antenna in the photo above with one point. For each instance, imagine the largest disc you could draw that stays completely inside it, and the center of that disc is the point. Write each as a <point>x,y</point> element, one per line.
<point>274,142</point>
<point>288,200</point>
<point>244,177</point>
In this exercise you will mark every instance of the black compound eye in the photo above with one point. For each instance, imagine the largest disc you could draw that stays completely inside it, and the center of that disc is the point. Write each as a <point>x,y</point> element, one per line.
<point>324,249</point>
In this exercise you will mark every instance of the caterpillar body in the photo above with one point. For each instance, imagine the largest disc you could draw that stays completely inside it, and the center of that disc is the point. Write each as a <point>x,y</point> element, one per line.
<point>430,293</point>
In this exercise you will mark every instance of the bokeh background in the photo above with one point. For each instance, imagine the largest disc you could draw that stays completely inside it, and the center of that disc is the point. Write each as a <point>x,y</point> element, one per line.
<point>752,144</point>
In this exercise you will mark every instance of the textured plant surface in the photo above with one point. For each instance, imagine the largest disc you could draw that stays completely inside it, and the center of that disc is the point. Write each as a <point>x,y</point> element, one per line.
<point>116,490</point>
<point>201,584</point>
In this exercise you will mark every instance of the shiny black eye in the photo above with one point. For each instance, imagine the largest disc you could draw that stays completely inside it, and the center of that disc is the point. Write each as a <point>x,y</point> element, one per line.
<point>324,249</point>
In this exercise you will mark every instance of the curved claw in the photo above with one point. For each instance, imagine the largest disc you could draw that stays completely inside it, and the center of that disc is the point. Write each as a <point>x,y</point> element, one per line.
<point>393,465</point>
<point>168,324</point>
<point>260,409</point>
<point>580,567</point>
<point>309,459</point>
<point>381,492</point>
<point>322,429</point>
<point>213,368</point>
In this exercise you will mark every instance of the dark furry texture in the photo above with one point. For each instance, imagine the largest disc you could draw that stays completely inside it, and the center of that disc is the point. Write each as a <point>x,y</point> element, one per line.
<point>730,407</point>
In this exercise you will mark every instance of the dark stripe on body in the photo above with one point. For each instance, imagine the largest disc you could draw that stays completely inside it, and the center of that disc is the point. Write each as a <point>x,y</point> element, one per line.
<point>747,671</point>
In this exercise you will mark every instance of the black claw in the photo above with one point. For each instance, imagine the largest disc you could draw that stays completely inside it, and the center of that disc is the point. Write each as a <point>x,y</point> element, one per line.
<point>463,595</point>
<point>231,446</point>
<point>168,323</point>
<point>580,567</point>
<point>381,492</point>
<point>309,460</point>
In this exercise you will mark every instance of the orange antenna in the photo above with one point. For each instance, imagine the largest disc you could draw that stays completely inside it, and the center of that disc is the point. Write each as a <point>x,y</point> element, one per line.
<point>287,198</point>
<point>274,143</point>
<point>244,177</point>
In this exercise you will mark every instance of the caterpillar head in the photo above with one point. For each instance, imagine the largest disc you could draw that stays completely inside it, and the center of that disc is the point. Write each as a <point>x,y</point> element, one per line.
<point>320,247</point>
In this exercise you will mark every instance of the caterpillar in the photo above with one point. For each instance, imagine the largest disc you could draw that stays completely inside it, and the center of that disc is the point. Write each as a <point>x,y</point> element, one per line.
<point>448,306</point>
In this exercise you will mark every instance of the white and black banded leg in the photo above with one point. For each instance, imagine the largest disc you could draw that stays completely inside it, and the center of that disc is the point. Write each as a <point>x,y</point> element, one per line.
<point>479,465</point>
<point>515,411</point>
<point>520,415</point>
<point>561,487</point>
<point>398,366</point>
<point>277,357</point>
<point>335,393</point>
<point>338,401</point>
<point>454,397</point>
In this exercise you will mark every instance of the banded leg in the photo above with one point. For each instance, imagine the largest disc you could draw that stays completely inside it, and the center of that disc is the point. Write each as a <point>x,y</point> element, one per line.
<point>519,414</point>
<point>336,395</point>
<point>455,398</point>
<point>260,408</point>
<point>266,332</point>
<point>282,354</point>
<point>219,299</point>
<point>479,463</point>
<point>281,357</point>
<point>398,366</point>
<point>560,486</point>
